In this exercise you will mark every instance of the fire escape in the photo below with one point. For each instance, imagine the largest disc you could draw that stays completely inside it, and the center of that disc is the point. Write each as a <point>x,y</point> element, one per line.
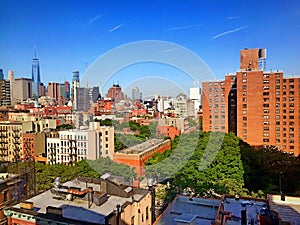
<point>52,155</point>
<point>16,145</point>
<point>3,144</point>
<point>72,151</point>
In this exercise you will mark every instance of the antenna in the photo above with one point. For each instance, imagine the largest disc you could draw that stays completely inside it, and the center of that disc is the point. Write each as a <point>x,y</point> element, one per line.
<point>34,51</point>
<point>87,75</point>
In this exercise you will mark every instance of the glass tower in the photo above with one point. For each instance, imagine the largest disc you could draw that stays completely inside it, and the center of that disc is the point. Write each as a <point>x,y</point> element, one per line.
<point>36,77</point>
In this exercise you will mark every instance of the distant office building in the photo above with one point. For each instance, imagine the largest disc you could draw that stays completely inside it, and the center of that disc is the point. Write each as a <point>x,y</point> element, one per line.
<point>36,78</point>
<point>115,93</point>
<point>1,74</point>
<point>195,96</point>
<point>135,94</point>
<point>53,90</point>
<point>24,87</point>
<point>183,106</point>
<point>5,97</point>
<point>42,89</point>
<point>93,94</point>
<point>81,100</point>
<point>67,90</point>
<point>59,91</point>
<point>75,83</point>
<point>261,107</point>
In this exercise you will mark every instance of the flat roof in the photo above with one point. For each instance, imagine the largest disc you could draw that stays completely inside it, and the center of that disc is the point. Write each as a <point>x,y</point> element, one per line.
<point>252,207</point>
<point>289,209</point>
<point>78,209</point>
<point>200,210</point>
<point>142,147</point>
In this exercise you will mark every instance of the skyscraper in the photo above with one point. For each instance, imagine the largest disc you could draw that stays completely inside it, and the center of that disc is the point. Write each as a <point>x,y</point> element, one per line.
<point>135,94</point>
<point>1,74</point>
<point>75,86</point>
<point>36,77</point>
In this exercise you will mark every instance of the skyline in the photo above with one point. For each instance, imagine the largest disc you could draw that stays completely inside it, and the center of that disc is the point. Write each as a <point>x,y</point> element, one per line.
<point>70,34</point>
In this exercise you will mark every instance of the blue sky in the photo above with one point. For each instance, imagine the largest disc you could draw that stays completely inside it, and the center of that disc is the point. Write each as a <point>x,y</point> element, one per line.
<point>69,34</point>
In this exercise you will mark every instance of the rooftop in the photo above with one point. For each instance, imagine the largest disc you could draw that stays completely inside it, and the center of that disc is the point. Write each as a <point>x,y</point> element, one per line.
<point>252,208</point>
<point>201,211</point>
<point>142,147</point>
<point>79,208</point>
<point>288,208</point>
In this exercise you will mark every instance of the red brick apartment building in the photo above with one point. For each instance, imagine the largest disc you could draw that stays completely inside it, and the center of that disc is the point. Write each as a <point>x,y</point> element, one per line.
<point>261,107</point>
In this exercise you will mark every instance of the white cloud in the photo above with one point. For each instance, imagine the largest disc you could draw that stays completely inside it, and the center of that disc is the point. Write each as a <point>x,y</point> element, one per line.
<point>115,28</point>
<point>228,32</point>
<point>232,17</point>
<point>95,18</point>
<point>185,27</point>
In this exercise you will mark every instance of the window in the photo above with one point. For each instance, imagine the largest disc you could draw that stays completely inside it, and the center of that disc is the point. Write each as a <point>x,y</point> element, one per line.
<point>244,106</point>
<point>244,125</point>
<point>266,87</point>
<point>265,140</point>
<point>277,110</point>
<point>244,130</point>
<point>277,117</point>
<point>244,80</point>
<point>277,93</point>
<point>244,99</point>
<point>266,111</point>
<point>245,118</point>
<point>266,99</point>
<point>244,74</point>
<point>266,81</point>
<point>244,87</point>
<point>266,75</point>
<point>291,93</point>
<point>265,105</point>
<point>244,93</point>
<point>277,140</point>
<point>277,99</point>
<point>277,87</point>
<point>277,122</point>
<point>266,134</point>
<point>266,93</point>
<point>266,117</point>
<point>132,220</point>
<point>277,75</point>
<point>244,112</point>
<point>277,81</point>
<point>147,212</point>
<point>266,128</point>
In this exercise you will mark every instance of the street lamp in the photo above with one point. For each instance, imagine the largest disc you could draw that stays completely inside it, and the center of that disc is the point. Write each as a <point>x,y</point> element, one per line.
<point>119,210</point>
<point>152,190</point>
<point>282,196</point>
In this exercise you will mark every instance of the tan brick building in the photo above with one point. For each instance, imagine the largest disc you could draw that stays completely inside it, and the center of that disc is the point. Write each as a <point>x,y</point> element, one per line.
<point>260,107</point>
